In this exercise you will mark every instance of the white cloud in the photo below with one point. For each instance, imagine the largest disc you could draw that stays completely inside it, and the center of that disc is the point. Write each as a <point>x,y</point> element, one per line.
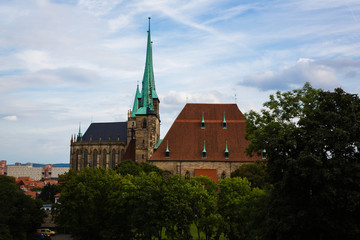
<point>35,60</point>
<point>322,73</point>
<point>10,118</point>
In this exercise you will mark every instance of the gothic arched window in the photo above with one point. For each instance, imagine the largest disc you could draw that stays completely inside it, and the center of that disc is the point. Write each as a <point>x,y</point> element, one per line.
<point>77,160</point>
<point>85,158</point>
<point>144,123</point>
<point>122,154</point>
<point>113,158</point>
<point>95,155</point>
<point>104,158</point>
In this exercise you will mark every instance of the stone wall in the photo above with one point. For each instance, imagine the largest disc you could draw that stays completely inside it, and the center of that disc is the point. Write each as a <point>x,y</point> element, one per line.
<point>181,167</point>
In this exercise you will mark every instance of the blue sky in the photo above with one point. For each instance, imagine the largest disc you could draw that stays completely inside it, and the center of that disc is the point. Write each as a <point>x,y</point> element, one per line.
<point>68,61</point>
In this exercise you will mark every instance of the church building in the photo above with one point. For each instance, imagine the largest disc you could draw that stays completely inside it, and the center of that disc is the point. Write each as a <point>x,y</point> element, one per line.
<point>106,144</point>
<point>205,139</point>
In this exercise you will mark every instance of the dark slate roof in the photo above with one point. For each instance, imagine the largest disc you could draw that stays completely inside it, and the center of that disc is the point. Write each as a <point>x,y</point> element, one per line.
<point>104,130</point>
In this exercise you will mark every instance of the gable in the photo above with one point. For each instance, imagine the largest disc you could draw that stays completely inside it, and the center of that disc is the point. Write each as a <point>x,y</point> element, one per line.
<point>186,138</point>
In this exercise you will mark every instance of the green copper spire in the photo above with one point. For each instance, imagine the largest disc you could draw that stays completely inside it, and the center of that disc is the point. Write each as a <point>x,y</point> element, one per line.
<point>136,102</point>
<point>148,92</point>
<point>79,134</point>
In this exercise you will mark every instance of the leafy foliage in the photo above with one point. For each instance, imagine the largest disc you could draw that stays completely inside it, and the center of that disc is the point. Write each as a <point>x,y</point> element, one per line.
<point>133,168</point>
<point>256,173</point>
<point>312,138</point>
<point>238,205</point>
<point>102,204</point>
<point>20,215</point>
<point>48,192</point>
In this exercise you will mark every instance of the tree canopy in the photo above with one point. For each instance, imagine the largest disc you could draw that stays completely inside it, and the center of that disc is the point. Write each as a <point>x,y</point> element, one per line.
<point>312,140</point>
<point>20,215</point>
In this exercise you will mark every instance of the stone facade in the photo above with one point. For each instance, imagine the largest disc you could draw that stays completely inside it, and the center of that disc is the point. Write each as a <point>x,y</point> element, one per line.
<point>106,154</point>
<point>223,169</point>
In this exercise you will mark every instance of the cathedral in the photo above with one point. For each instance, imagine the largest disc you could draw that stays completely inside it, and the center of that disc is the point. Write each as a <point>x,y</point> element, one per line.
<point>205,139</point>
<point>106,144</point>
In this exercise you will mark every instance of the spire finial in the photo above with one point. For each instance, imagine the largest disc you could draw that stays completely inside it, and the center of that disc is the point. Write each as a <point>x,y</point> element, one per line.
<point>79,134</point>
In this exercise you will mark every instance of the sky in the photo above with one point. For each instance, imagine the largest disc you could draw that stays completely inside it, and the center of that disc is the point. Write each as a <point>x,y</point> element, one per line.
<point>70,62</point>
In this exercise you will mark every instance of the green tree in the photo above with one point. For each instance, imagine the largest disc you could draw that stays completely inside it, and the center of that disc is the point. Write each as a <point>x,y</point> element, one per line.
<point>239,205</point>
<point>133,168</point>
<point>84,207</point>
<point>312,138</point>
<point>203,200</point>
<point>20,215</point>
<point>146,201</point>
<point>48,192</point>
<point>255,172</point>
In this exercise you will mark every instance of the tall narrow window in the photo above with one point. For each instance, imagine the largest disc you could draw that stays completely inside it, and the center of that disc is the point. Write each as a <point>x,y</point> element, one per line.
<point>77,160</point>
<point>85,158</point>
<point>95,160</point>
<point>104,158</point>
<point>223,175</point>
<point>122,154</point>
<point>113,158</point>
<point>144,123</point>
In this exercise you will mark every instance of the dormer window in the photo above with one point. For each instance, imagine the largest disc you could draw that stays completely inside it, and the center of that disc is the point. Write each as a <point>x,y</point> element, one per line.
<point>167,152</point>
<point>204,151</point>
<point>226,152</point>
<point>202,122</point>
<point>224,124</point>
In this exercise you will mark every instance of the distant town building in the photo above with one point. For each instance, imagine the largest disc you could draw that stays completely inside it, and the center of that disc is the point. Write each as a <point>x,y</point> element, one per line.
<point>2,167</point>
<point>35,173</point>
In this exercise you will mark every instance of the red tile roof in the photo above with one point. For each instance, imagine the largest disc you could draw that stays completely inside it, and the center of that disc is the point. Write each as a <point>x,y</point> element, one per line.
<point>31,194</point>
<point>186,138</point>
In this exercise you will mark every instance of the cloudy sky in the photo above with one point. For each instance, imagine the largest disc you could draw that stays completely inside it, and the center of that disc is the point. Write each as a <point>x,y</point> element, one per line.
<point>68,61</point>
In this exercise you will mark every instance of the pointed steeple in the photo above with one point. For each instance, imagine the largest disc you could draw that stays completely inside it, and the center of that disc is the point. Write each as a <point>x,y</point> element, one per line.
<point>79,134</point>
<point>148,92</point>
<point>136,102</point>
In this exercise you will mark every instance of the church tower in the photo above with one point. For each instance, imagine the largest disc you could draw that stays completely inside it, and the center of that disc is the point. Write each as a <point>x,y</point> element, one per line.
<point>144,118</point>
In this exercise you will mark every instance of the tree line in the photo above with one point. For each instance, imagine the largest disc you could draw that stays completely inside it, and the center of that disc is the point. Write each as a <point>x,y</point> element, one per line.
<point>112,204</point>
